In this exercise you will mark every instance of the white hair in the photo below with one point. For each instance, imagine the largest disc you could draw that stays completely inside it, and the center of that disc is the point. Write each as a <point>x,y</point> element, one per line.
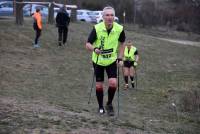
<point>108,8</point>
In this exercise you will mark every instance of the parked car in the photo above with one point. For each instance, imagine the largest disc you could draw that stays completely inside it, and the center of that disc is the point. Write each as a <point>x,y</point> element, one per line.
<point>31,8</point>
<point>6,8</point>
<point>84,15</point>
<point>56,9</point>
<point>98,16</point>
<point>5,0</point>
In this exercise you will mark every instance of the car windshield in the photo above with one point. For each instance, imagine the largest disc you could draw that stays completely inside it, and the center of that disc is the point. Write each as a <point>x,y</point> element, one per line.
<point>79,13</point>
<point>6,4</point>
<point>98,13</point>
<point>90,13</point>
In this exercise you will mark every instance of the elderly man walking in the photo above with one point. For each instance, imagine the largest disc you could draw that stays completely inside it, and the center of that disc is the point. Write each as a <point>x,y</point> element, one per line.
<point>103,42</point>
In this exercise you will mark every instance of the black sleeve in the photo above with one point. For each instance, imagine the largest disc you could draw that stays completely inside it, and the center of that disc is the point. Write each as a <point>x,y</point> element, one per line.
<point>136,52</point>
<point>92,37</point>
<point>67,19</point>
<point>122,36</point>
<point>57,18</point>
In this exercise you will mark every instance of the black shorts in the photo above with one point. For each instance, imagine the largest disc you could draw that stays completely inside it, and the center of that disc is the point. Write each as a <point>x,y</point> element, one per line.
<point>128,64</point>
<point>111,71</point>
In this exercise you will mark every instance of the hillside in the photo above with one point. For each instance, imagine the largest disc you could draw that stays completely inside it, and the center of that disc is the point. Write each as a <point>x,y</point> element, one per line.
<point>46,90</point>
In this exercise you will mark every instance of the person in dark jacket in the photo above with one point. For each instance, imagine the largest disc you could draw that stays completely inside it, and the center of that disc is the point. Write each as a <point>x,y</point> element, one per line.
<point>62,22</point>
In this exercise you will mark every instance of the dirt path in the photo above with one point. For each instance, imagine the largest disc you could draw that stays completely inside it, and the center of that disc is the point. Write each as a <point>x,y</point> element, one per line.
<point>51,119</point>
<point>183,42</point>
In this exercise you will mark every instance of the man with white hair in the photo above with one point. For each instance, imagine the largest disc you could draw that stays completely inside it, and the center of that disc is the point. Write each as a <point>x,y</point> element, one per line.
<point>103,42</point>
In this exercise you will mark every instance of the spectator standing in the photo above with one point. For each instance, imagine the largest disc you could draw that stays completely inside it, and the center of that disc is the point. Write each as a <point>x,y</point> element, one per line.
<point>37,26</point>
<point>62,22</point>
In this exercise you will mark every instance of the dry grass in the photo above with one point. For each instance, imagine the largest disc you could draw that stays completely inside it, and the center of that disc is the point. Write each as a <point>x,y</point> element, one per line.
<point>46,90</point>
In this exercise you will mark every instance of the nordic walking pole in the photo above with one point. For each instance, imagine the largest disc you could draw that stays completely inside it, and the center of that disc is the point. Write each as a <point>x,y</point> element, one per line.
<point>118,86</point>
<point>101,46</point>
<point>135,78</point>
<point>93,80</point>
<point>91,87</point>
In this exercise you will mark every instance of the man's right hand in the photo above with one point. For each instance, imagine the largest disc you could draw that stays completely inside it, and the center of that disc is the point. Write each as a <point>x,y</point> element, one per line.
<point>120,61</point>
<point>97,50</point>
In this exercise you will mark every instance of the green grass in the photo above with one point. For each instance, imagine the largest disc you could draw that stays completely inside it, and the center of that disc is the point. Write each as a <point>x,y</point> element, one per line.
<point>47,89</point>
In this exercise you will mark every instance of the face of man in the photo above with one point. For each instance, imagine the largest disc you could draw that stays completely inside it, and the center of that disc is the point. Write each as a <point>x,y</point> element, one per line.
<point>108,17</point>
<point>129,44</point>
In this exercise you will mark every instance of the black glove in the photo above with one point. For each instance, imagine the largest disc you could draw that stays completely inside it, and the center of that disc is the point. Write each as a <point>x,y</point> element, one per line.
<point>97,52</point>
<point>95,48</point>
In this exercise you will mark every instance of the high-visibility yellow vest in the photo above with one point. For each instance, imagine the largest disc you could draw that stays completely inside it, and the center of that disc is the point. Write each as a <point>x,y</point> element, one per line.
<point>107,43</point>
<point>129,56</point>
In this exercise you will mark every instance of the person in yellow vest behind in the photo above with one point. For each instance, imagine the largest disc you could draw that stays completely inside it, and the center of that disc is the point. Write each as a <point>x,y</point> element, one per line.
<point>104,41</point>
<point>37,26</point>
<point>130,59</point>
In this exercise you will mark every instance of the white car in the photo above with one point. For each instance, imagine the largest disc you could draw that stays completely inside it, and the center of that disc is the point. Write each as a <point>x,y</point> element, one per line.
<point>56,9</point>
<point>98,16</point>
<point>84,15</point>
<point>31,8</point>
<point>6,8</point>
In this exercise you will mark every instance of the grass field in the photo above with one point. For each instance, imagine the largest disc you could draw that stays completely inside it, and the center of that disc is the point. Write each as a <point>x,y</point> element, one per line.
<point>46,90</point>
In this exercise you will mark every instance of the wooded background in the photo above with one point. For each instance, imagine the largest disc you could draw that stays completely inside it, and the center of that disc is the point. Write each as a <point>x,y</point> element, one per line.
<point>183,15</point>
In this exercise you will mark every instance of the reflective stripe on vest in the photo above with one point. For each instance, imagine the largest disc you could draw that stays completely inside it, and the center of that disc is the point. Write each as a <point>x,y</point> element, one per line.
<point>107,43</point>
<point>129,56</point>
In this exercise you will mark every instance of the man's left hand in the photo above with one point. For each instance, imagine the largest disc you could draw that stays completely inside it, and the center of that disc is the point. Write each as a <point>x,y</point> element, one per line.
<point>135,64</point>
<point>120,62</point>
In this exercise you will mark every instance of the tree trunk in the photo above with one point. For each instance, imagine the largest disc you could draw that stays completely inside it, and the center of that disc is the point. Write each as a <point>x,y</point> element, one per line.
<point>51,14</point>
<point>19,13</point>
